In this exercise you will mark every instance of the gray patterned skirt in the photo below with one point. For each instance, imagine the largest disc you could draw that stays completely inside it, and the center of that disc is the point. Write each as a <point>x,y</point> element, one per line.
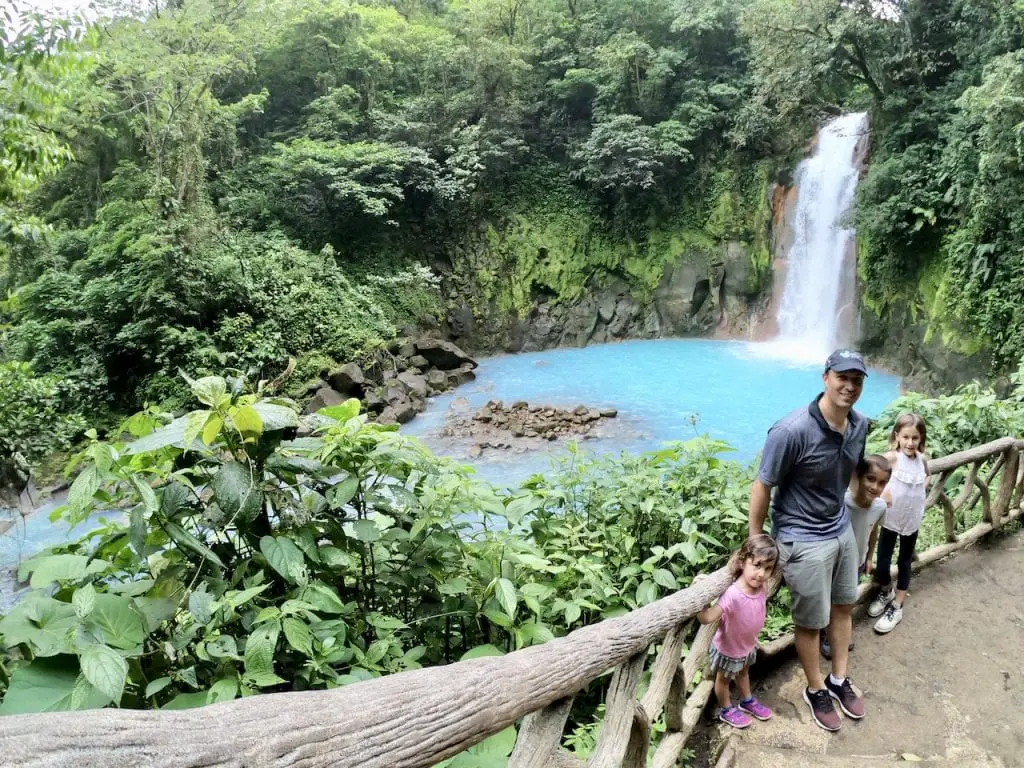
<point>729,666</point>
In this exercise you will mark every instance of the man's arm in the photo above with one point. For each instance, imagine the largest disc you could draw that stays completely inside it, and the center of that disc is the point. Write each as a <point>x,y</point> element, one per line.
<point>760,495</point>
<point>777,459</point>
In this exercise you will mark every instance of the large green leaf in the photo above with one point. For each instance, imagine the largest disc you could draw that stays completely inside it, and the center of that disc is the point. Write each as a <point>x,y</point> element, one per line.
<point>225,689</point>
<point>171,435</point>
<point>187,700</point>
<point>106,669</point>
<point>187,540</point>
<point>155,610</point>
<point>482,650</point>
<point>323,598</point>
<point>39,622</point>
<point>259,649</point>
<point>235,489</point>
<point>173,498</point>
<point>246,420</point>
<point>347,410</point>
<point>210,390</point>
<point>47,569</point>
<point>284,557</point>
<point>84,487</point>
<point>275,416</point>
<point>83,600</point>
<point>118,624</point>
<point>46,685</point>
<point>341,493</point>
<point>200,605</point>
<point>297,634</point>
<point>505,591</point>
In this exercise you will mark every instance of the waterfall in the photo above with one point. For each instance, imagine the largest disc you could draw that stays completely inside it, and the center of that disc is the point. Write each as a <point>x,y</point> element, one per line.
<point>819,261</point>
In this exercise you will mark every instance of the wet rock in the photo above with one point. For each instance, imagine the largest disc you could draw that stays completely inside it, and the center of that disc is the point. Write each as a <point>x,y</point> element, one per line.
<point>461,321</point>
<point>373,402</point>
<point>443,354</point>
<point>475,451</point>
<point>395,393</point>
<point>437,380</point>
<point>315,386</point>
<point>405,411</point>
<point>414,383</point>
<point>324,397</point>
<point>348,380</point>
<point>608,413</point>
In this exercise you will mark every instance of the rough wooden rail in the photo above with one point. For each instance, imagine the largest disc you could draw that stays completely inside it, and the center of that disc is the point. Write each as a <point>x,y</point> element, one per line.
<point>418,718</point>
<point>415,718</point>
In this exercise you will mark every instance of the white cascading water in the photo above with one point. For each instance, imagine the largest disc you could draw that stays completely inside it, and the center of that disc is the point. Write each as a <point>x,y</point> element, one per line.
<point>808,315</point>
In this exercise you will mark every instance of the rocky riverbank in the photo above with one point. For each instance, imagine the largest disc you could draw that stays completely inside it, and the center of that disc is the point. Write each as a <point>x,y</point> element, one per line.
<point>395,383</point>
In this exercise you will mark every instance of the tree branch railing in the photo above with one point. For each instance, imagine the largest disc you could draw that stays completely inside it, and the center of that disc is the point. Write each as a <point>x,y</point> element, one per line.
<point>416,719</point>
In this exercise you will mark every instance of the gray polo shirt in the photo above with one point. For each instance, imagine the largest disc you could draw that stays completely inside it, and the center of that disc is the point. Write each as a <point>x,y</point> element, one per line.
<point>809,465</point>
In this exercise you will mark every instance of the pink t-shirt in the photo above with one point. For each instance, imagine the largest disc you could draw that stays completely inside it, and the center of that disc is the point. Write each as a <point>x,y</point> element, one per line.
<point>742,620</point>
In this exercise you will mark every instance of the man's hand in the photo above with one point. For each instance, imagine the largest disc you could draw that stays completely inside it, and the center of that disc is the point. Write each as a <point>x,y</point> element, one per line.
<point>760,495</point>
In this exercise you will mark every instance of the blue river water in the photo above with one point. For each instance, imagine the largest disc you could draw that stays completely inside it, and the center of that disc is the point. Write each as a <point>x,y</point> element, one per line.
<point>671,389</point>
<point>30,535</point>
<point>667,389</point>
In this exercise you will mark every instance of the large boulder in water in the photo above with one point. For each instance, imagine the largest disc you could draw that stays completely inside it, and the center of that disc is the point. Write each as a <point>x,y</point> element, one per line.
<point>348,379</point>
<point>437,380</point>
<point>443,354</point>
<point>404,411</point>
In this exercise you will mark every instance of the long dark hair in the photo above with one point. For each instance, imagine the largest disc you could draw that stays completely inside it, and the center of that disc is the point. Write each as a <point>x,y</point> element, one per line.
<point>759,547</point>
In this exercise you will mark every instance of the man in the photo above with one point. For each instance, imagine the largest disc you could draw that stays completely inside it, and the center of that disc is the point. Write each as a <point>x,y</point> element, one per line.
<point>808,459</point>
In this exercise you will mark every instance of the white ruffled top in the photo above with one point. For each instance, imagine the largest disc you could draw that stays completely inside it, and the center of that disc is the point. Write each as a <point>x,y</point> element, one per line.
<point>907,487</point>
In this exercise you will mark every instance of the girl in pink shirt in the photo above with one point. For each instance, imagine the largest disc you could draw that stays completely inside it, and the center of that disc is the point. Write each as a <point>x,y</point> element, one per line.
<point>742,610</point>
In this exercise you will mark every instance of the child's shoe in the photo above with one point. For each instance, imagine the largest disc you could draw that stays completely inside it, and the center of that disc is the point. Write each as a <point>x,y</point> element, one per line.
<point>734,717</point>
<point>755,708</point>
<point>826,647</point>
<point>882,599</point>
<point>893,615</point>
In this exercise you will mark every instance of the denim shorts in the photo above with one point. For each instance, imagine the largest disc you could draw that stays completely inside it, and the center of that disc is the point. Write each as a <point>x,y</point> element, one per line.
<point>820,574</point>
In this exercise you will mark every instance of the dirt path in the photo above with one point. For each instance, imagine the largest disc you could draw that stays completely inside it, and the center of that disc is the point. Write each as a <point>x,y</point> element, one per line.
<point>946,686</point>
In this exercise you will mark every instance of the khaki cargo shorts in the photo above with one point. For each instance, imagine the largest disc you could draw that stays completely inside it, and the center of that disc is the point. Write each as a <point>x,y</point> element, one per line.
<point>820,574</point>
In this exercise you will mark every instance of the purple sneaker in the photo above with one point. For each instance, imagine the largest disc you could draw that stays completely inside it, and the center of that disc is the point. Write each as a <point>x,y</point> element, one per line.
<point>734,717</point>
<point>755,708</point>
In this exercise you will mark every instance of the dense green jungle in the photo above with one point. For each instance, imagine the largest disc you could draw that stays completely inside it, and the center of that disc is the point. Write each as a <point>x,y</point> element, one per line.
<point>204,203</point>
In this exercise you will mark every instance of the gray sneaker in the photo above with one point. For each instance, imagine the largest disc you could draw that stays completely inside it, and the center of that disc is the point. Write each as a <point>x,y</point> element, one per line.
<point>892,616</point>
<point>882,599</point>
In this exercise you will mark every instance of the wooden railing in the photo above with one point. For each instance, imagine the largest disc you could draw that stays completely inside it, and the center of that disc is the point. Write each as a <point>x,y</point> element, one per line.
<point>418,718</point>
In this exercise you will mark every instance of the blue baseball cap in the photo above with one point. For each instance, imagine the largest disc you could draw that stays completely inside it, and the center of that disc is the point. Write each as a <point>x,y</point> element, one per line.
<point>843,360</point>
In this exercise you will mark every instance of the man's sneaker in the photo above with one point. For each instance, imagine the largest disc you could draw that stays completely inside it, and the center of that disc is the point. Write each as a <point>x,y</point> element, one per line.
<point>822,710</point>
<point>734,717</point>
<point>756,709</point>
<point>882,599</point>
<point>893,615</point>
<point>849,700</point>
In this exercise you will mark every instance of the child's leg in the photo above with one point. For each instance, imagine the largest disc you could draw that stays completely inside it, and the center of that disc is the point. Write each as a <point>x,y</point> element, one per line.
<point>886,545</point>
<point>722,690</point>
<point>907,545</point>
<point>743,683</point>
